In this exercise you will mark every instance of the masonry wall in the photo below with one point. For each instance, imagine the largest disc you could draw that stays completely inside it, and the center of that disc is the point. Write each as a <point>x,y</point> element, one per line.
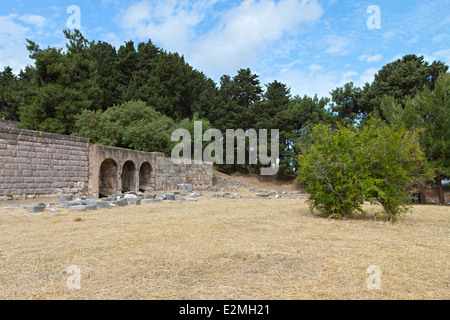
<point>99,154</point>
<point>45,164</point>
<point>169,174</point>
<point>37,163</point>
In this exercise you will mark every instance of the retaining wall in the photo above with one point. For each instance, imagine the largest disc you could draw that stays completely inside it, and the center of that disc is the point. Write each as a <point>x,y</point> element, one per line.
<point>37,163</point>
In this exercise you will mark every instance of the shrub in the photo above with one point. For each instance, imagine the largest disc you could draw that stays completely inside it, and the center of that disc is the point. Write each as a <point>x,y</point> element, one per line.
<point>343,167</point>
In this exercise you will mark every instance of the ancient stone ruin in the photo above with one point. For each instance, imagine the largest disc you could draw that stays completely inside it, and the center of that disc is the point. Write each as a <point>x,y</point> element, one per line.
<point>35,164</point>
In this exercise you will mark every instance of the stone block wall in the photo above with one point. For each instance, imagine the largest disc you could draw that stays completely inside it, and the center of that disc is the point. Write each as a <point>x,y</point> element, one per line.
<point>112,169</point>
<point>169,174</point>
<point>9,123</point>
<point>44,164</point>
<point>37,163</point>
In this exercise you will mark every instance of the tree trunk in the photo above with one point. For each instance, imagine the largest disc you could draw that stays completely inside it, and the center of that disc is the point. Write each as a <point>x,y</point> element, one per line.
<point>440,190</point>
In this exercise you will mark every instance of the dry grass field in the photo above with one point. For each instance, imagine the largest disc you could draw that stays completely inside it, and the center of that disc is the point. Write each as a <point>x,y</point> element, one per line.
<point>222,249</point>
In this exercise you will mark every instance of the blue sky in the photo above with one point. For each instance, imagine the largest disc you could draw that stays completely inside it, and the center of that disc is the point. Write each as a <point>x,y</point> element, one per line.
<point>313,46</point>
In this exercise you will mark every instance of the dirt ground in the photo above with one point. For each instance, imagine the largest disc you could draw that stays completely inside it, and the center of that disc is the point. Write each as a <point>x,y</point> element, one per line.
<point>221,248</point>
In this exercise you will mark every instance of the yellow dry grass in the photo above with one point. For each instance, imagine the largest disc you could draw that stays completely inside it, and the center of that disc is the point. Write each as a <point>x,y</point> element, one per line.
<point>222,249</point>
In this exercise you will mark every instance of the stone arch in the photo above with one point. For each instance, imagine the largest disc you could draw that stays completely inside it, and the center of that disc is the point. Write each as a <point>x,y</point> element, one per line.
<point>128,176</point>
<point>145,173</point>
<point>108,177</point>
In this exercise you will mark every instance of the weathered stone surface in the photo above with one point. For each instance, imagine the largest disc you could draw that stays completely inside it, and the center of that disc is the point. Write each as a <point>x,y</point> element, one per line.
<point>135,201</point>
<point>263,195</point>
<point>103,204</point>
<point>278,196</point>
<point>169,196</point>
<point>65,198</point>
<point>121,202</point>
<point>195,194</point>
<point>109,199</point>
<point>69,204</point>
<point>91,207</point>
<point>184,186</point>
<point>78,208</point>
<point>151,200</point>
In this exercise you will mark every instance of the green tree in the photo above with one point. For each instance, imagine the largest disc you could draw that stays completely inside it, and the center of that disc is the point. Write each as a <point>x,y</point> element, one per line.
<point>104,57</point>
<point>430,110</point>
<point>132,125</point>
<point>405,77</point>
<point>348,103</point>
<point>63,85</point>
<point>341,168</point>
<point>10,99</point>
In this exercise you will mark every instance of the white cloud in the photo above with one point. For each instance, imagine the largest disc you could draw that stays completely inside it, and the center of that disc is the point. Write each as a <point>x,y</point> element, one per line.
<point>315,67</point>
<point>369,59</point>
<point>337,45</point>
<point>238,36</point>
<point>38,21</point>
<point>321,83</point>
<point>169,22</point>
<point>440,38</point>
<point>13,51</point>
<point>247,30</point>
<point>444,56</point>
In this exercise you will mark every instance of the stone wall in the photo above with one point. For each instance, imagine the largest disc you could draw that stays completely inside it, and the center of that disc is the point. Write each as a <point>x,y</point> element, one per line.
<point>9,123</point>
<point>44,164</point>
<point>37,163</point>
<point>112,170</point>
<point>169,174</point>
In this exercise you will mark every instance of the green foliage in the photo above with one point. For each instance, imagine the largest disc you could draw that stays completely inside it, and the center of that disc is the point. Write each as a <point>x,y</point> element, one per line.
<point>63,85</point>
<point>430,110</point>
<point>9,97</point>
<point>132,125</point>
<point>343,167</point>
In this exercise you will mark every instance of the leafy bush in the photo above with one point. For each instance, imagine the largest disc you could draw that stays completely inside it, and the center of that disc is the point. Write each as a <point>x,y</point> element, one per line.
<point>342,168</point>
<point>131,125</point>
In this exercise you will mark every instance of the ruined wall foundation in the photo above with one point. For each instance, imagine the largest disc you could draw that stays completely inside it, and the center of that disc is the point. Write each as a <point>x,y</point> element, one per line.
<point>44,164</point>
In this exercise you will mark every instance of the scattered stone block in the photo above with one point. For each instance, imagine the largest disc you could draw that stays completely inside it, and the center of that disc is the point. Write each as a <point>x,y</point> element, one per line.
<point>121,202</point>
<point>169,196</point>
<point>69,204</point>
<point>130,196</point>
<point>136,201</point>
<point>152,200</point>
<point>78,208</point>
<point>14,207</point>
<point>35,208</point>
<point>263,195</point>
<point>91,207</point>
<point>195,194</point>
<point>278,196</point>
<point>103,204</point>
<point>109,199</point>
